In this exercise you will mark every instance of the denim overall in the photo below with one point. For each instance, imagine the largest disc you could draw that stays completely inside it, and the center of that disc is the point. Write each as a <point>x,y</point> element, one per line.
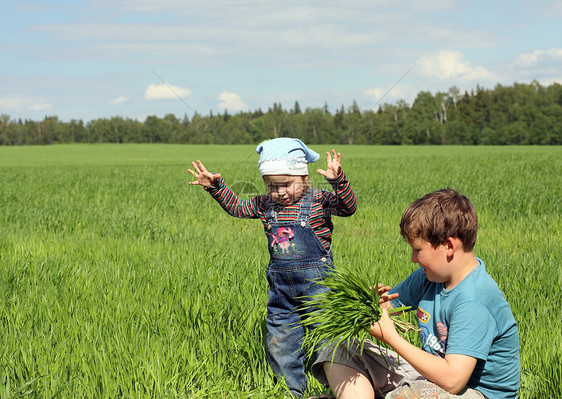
<point>296,257</point>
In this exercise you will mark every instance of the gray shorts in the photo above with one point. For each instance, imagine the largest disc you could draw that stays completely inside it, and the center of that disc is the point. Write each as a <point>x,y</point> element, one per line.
<point>392,377</point>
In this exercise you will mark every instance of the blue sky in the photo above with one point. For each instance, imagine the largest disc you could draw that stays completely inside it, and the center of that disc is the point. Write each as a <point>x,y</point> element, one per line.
<point>94,59</point>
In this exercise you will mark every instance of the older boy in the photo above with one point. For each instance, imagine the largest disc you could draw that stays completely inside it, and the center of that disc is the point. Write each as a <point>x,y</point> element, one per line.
<point>470,343</point>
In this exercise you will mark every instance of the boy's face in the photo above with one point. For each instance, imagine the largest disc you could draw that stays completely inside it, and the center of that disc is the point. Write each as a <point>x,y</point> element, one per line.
<point>432,260</point>
<point>285,189</point>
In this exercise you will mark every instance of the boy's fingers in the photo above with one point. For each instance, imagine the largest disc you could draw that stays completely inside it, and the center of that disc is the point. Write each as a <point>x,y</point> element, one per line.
<point>376,330</point>
<point>383,288</point>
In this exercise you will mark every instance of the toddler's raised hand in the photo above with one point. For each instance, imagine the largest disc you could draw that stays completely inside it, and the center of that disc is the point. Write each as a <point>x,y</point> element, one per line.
<point>203,176</point>
<point>333,168</point>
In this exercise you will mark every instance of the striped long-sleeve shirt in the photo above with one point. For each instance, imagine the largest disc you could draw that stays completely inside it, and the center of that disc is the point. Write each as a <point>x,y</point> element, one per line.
<point>325,204</point>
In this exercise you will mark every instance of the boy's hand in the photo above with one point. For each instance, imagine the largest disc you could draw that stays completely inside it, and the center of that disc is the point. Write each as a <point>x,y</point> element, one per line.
<point>384,330</point>
<point>203,176</point>
<point>333,168</point>
<point>385,298</point>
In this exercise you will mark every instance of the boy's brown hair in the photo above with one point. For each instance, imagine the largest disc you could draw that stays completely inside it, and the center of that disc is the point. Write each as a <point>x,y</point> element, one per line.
<point>439,215</point>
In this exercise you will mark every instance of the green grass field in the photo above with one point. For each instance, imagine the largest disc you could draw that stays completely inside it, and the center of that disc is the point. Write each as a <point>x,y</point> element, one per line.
<point>118,280</point>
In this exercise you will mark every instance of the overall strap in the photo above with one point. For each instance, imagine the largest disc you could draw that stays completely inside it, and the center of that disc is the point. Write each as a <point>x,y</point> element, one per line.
<point>306,205</point>
<point>270,213</point>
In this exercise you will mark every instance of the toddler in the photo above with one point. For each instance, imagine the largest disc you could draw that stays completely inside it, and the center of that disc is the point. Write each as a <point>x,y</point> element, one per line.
<point>297,221</point>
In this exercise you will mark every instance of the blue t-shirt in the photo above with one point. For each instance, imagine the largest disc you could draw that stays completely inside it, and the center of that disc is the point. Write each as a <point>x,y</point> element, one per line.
<point>472,319</point>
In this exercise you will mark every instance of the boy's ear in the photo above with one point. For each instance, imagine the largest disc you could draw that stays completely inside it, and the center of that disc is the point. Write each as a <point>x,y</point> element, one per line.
<point>452,245</point>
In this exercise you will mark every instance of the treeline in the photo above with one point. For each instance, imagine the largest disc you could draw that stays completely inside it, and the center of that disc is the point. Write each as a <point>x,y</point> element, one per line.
<point>506,115</point>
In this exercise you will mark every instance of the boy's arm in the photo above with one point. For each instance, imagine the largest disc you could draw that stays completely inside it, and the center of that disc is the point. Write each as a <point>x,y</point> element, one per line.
<point>450,373</point>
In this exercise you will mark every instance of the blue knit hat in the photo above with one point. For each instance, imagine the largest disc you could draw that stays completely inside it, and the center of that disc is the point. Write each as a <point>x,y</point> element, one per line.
<point>285,156</point>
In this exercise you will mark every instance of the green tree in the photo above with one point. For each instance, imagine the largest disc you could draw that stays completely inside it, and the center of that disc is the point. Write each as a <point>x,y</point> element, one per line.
<point>296,108</point>
<point>9,132</point>
<point>424,125</point>
<point>77,131</point>
<point>316,126</point>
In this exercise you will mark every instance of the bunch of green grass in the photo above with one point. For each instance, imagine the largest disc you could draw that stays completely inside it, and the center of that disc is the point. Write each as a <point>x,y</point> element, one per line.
<point>346,310</point>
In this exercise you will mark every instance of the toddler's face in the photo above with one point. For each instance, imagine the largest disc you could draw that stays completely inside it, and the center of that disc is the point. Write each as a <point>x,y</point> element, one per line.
<point>285,189</point>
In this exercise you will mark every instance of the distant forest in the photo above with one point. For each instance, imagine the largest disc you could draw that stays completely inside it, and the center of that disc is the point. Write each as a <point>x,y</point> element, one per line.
<point>507,115</point>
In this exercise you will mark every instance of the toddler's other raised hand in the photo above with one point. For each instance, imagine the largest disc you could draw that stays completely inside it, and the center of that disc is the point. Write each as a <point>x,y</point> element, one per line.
<point>333,165</point>
<point>203,176</point>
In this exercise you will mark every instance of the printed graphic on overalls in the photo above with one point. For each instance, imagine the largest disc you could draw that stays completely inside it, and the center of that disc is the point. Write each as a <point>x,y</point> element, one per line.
<point>282,239</point>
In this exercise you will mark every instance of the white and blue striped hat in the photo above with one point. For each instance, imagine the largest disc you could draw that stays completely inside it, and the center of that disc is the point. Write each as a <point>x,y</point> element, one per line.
<point>285,156</point>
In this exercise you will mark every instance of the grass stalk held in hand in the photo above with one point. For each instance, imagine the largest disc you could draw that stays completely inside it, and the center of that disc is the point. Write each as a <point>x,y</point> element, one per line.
<point>346,310</point>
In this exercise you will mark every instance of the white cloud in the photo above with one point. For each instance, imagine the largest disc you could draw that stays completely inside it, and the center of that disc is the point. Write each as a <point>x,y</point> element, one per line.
<point>119,100</point>
<point>379,96</point>
<point>231,102</point>
<point>449,65</point>
<point>293,34</point>
<point>18,105</point>
<point>538,57</point>
<point>528,59</point>
<point>540,65</point>
<point>374,94</point>
<point>40,107</point>
<point>10,103</point>
<point>166,92</point>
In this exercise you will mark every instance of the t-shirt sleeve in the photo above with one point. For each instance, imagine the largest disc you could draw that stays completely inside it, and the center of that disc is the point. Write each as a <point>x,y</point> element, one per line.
<point>472,329</point>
